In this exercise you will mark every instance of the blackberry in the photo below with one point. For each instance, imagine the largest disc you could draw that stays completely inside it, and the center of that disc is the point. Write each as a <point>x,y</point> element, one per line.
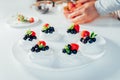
<point>46,47</point>
<point>33,49</point>
<point>74,51</point>
<point>74,31</point>
<point>64,51</point>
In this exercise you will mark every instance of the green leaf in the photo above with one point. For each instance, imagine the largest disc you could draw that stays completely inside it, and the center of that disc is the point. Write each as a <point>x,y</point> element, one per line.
<point>41,46</point>
<point>29,32</point>
<point>93,35</point>
<point>71,27</point>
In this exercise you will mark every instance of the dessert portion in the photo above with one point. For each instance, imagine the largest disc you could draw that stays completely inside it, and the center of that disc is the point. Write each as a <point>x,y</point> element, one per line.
<point>72,33</point>
<point>71,49</point>
<point>70,7</point>
<point>41,54</point>
<point>49,33</point>
<point>22,18</point>
<point>28,40</point>
<point>92,45</point>
<point>40,46</point>
<point>70,55</point>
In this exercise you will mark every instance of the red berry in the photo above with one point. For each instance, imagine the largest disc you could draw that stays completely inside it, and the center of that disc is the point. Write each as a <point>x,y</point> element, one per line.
<point>77,27</point>
<point>85,33</point>
<point>31,20</point>
<point>33,33</point>
<point>74,46</point>
<point>46,25</point>
<point>42,43</point>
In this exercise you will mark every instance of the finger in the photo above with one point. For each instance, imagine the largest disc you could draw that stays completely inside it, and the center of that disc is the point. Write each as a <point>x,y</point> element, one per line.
<point>75,13</point>
<point>82,1</point>
<point>80,18</point>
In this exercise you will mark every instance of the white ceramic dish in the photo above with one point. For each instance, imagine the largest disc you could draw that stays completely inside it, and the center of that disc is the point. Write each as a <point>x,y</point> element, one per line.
<point>13,22</point>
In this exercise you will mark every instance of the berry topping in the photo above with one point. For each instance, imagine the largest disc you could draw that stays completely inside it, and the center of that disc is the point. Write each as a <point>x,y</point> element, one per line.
<point>40,46</point>
<point>48,29</point>
<point>87,37</point>
<point>30,35</point>
<point>73,29</point>
<point>71,48</point>
<point>85,33</point>
<point>31,20</point>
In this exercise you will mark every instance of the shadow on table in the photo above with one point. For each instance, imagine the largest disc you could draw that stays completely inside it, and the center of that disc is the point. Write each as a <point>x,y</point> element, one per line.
<point>101,69</point>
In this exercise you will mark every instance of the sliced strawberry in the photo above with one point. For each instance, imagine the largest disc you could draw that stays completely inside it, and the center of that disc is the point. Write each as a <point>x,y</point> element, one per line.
<point>74,46</point>
<point>31,20</point>
<point>77,27</point>
<point>85,33</point>
<point>42,43</point>
<point>33,33</point>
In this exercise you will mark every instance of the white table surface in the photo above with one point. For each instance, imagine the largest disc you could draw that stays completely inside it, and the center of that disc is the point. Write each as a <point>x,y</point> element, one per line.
<point>11,69</point>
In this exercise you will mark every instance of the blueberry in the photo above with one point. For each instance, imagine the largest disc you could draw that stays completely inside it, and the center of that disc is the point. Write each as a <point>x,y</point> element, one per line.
<point>34,37</point>
<point>43,49</point>
<point>94,39</point>
<point>81,39</point>
<point>33,49</point>
<point>74,51</point>
<point>72,31</point>
<point>46,47</point>
<point>64,51</point>
<point>36,46</point>
<point>68,31</point>
<point>52,29</point>
<point>91,41</point>
<point>37,50</point>
<point>87,38</point>
<point>25,38</point>
<point>46,31</point>
<point>85,41</point>
<point>30,39</point>
<point>69,46</point>
<point>69,53</point>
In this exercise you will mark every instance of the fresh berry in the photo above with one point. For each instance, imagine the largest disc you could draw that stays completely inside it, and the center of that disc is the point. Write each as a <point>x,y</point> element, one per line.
<point>85,33</point>
<point>34,37</point>
<point>69,46</point>
<point>33,33</point>
<point>74,51</point>
<point>36,46</point>
<point>30,39</point>
<point>64,51</point>
<point>33,49</point>
<point>37,50</point>
<point>74,46</point>
<point>31,20</point>
<point>46,47</point>
<point>91,41</point>
<point>25,38</point>
<point>85,41</point>
<point>42,43</point>
<point>69,53</point>
<point>94,39</point>
<point>81,39</point>
<point>76,27</point>
<point>46,25</point>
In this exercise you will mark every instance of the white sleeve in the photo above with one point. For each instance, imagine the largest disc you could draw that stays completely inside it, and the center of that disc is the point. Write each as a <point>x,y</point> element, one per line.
<point>107,6</point>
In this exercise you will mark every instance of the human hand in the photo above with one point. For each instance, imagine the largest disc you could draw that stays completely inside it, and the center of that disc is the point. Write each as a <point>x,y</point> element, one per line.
<point>84,14</point>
